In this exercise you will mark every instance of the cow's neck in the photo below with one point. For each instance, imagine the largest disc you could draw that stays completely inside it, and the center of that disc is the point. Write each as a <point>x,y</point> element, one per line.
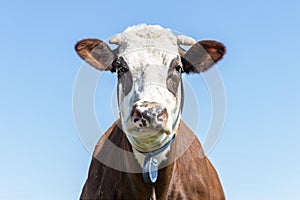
<point>151,160</point>
<point>161,148</point>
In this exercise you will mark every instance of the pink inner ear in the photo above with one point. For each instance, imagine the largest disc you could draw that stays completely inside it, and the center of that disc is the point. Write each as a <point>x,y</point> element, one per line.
<point>214,53</point>
<point>212,50</point>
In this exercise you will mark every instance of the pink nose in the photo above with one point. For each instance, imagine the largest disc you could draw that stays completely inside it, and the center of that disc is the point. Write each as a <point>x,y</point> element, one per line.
<point>149,115</point>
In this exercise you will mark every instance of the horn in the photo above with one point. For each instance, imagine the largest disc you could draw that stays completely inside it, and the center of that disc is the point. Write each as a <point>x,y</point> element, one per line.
<point>185,40</point>
<point>181,51</point>
<point>116,39</point>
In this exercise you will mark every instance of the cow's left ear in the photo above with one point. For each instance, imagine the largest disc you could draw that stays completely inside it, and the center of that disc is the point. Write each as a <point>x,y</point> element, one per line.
<point>202,55</point>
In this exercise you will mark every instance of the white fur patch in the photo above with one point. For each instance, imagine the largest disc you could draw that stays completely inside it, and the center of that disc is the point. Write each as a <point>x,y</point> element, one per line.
<point>160,157</point>
<point>148,51</point>
<point>145,36</point>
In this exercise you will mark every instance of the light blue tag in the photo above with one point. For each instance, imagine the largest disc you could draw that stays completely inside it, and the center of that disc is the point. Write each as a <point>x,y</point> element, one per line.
<point>150,169</point>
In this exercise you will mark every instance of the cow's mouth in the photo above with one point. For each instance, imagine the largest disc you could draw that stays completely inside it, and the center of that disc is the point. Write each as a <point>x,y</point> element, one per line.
<point>144,132</point>
<point>147,139</point>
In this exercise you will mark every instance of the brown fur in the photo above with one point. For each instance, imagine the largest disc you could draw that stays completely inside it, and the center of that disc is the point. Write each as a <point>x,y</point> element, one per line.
<point>190,176</point>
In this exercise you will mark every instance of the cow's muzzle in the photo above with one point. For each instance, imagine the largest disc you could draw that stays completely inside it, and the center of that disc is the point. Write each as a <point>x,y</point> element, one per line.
<point>149,115</point>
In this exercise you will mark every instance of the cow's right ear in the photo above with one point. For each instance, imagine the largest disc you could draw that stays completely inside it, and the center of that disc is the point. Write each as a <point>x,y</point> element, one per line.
<point>96,52</point>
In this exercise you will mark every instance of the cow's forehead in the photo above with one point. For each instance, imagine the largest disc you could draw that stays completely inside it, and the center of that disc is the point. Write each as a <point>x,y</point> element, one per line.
<point>143,37</point>
<point>149,57</point>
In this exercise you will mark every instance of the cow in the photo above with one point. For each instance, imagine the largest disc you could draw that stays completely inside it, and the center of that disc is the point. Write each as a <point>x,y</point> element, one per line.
<point>158,155</point>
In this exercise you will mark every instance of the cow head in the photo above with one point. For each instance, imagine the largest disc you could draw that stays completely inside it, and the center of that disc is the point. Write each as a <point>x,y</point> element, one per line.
<point>149,64</point>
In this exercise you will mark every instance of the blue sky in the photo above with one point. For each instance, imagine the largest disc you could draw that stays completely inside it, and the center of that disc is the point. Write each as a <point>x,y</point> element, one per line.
<point>257,156</point>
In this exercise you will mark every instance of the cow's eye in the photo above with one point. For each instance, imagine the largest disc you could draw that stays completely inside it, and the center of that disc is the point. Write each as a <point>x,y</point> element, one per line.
<point>124,75</point>
<point>120,66</point>
<point>122,70</point>
<point>179,68</point>
<point>174,76</point>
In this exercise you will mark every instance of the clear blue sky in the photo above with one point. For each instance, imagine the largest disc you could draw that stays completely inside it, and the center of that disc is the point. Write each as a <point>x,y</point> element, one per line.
<point>257,156</point>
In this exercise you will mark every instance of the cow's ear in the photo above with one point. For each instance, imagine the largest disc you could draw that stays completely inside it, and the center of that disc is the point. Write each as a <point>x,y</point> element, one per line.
<point>96,52</point>
<point>202,55</point>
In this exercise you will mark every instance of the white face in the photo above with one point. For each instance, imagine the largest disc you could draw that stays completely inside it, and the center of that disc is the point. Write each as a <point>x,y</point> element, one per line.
<point>149,87</point>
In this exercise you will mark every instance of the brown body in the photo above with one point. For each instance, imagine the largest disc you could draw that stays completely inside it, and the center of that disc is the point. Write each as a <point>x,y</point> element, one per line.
<point>190,176</point>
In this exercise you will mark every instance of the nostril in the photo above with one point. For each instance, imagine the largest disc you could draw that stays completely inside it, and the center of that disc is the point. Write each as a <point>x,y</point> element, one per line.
<point>136,115</point>
<point>162,115</point>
